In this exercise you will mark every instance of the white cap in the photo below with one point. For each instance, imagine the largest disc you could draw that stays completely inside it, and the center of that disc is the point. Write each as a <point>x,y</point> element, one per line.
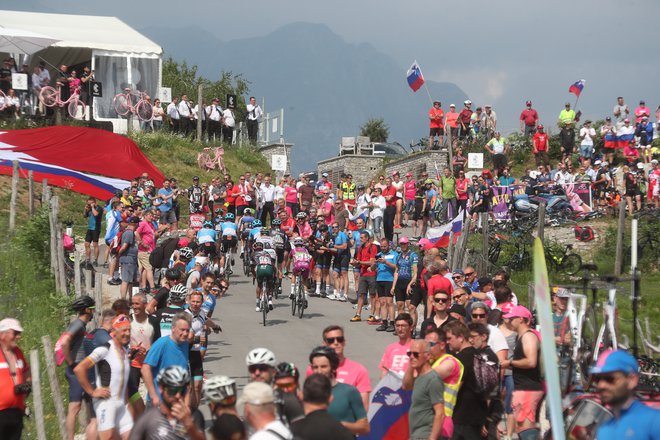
<point>605,163</point>
<point>640,166</point>
<point>452,105</point>
<point>597,162</point>
<point>10,324</point>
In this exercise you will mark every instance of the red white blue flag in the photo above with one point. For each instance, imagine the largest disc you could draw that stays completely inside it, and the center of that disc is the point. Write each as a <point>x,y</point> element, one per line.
<point>576,87</point>
<point>439,235</point>
<point>415,77</point>
<point>388,410</point>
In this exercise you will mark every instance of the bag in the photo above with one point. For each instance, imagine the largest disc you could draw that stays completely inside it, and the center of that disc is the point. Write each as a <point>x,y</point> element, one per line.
<point>67,243</point>
<point>116,242</point>
<point>585,233</point>
<point>487,374</point>
<point>59,351</point>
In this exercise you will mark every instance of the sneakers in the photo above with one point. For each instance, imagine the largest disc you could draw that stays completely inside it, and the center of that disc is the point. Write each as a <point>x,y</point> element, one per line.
<point>257,309</point>
<point>373,320</point>
<point>382,327</point>
<point>356,318</point>
<point>389,329</point>
<point>270,304</point>
<point>366,307</point>
<point>333,297</point>
<point>342,298</point>
<point>114,281</point>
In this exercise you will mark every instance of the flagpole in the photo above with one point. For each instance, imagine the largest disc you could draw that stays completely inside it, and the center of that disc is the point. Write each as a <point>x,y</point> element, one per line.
<point>428,93</point>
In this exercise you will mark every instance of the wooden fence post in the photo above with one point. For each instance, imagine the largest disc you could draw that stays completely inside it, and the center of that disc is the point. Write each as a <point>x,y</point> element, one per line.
<point>618,260</point>
<point>450,251</point>
<point>51,368</point>
<point>36,394</point>
<point>98,297</point>
<point>14,196</point>
<point>88,282</point>
<point>30,193</point>
<point>483,270</point>
<point>53,243</point>
<point>462,243</point>
<point>540,232</point>
<point>76,275</point>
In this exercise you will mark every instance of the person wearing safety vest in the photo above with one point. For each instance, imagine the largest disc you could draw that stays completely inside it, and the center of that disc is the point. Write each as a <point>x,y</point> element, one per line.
<point>450,371</point>
<point>347,191</point>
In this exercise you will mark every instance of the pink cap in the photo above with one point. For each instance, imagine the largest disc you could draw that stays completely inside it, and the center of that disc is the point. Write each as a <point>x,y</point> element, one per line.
<point>425,244</point>
<point>408,174</point>
<point>183,242</point>
<point>403,240</point>
<point>519,312</point>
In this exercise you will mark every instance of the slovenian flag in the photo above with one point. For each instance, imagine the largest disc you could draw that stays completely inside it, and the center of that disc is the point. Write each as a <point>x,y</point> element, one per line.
<point>576,88</point>
<point>415,77</point>
<point>439,235</point>
<point>388,410</point>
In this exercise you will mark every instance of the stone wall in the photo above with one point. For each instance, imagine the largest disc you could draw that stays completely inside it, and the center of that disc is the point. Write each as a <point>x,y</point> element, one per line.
<point>268,151</point>
<point>418,162</point>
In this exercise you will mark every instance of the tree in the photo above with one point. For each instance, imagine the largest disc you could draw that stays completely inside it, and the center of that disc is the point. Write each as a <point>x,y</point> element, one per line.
<point>184,80</point>
<point>376,129</point>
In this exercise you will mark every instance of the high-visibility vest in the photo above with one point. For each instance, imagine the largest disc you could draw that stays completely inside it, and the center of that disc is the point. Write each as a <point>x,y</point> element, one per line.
<point>348,191</point>
<point>452,384</point>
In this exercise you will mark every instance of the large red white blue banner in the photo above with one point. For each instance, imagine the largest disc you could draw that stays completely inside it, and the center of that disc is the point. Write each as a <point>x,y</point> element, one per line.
<point>85,160</point>
<point>388,410</point>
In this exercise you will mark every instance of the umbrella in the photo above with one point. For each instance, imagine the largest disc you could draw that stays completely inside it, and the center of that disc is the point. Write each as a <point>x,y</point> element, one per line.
<point>25,42</point>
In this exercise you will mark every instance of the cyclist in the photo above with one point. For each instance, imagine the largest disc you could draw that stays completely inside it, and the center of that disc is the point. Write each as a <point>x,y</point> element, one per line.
<point>244,227</point>
<point>282,248</point>
<point>287,378</point>
<point>181,258</point>
<point>112,367</point>
<point>262,366</point>
<point>301,259</point>
<point>322,260</point>
<point>304,228</point>
<point>198,343</point>
<point>207,238</point>
<point>255,231</point>
<point>229,241</point>
<point>220,393</point>
<point>176,301</point>
<point>171,418</point>
<point>264,269</point>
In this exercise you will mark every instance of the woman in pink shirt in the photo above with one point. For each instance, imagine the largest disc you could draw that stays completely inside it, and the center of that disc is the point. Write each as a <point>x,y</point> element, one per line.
<point>409,195</point>
<point>461,191</point>
<point>291,196</point>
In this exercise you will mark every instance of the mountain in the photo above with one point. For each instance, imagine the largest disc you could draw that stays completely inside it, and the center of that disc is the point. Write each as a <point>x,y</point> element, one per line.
<point>327,87</point>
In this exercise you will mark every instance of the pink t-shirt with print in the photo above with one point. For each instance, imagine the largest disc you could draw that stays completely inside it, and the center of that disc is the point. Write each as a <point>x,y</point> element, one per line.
<point>395,357</point>
<point>351,373</point>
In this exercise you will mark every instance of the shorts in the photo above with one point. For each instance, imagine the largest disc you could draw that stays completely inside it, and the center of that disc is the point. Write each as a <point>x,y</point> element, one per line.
<point>384,289</point>
<point>167,217</point>
<point>417,296</point>
<point>454,132</point>
<point>341,261</point>
<point>400,290</point>
<point>210,249</point>
<point>435,131</point>
<point>143,261</point>
<point>530,130</point>
<point>112,414</point>
<point>196,365</point>
<point>76,393</point>
<point>586,151</point>
<point>228,242</point>
<point>417,213</point>
<point>499,161</point>
<point>633,192</point>
<point>92,236</point>
<point>367,284</point>
<point>129,272</point>
<point>322,261</point>
<point>266,273</point>
<point>280,255</point>
<point>133,384</point>
<point>526,405</point>
<point>409,206</point>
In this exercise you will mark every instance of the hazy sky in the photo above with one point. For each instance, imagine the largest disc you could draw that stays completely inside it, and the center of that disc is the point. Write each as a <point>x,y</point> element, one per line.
<point>499,52</point>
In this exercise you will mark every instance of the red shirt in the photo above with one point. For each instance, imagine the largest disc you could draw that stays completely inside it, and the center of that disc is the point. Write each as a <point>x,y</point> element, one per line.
<point>390,191</point>
<point>529,117</point>
<point>240,199</point>
<point>366,253</point>
<point>465,116</point>
<point>436,115</point>
<point>438,282</point>
<point>288,226</point>
<point>8,399</point>
<point>541,141</point>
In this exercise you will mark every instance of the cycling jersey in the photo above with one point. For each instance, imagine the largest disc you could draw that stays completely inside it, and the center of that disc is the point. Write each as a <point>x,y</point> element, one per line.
<point>153,425</point>
<point>195,198</point>
<point>164,317</point>
<point>111,365</point>
<point>404,265</point>
<point>340,239</point>
<point>255,232</point>
<point>263,258</point>
<point>246,221</point>
<point>267,241</point>
<point>279,239</point>
<point>383,271</point>
<point>301,259</point>
<point>208,306</point>
<point>229,229</point>
<point>206,235</point>
<point>197,327</point>
<point>638,421</point>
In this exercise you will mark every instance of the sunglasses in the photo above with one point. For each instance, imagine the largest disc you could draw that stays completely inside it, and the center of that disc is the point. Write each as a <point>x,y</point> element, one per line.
<point>457,277</point>
<point>610,379</point>
<point>339,339</point>
<point>459,295</point>
<point>173,391</point>
<point>478,315</point>
<point>467,274</point>
<point>287,387</point>
<point>414,354</point>
<point>228,401</point>
<point>433,344</point>
<point>259,367</point>
<point>441,300</point>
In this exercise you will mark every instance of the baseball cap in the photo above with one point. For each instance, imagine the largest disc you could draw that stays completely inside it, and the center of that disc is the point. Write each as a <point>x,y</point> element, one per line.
<point>458,272</point>
<point>645,117</point>
<point>642,102</point>
<point>408,174</point>
<point>610,361</point>
<point>134,219</point>
<point>654,162</point>
<point>452,105</point>
<point>403,240</point>
<point>10,324</point>
<point>598,162</point>
<point>324,175</point>
<point>608,118</point>
<point>425,244</point>
<point>257,393</point>
<point>626,120</point>
<point>640,166</point>
<point>195,177</point>
<point>563,293</point>
<point>519,312</point>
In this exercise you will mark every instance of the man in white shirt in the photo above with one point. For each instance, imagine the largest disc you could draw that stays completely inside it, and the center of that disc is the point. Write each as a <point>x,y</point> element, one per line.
<point>214,113</point>
<point>198,111</point>
<point>587,135</point>
<point>173,113</point>
<point>259,411</point>
<point>254,113</point>
<point>563,176</point>
<point>266,198</point>
<point>185,115</point>
<point>229,122</point>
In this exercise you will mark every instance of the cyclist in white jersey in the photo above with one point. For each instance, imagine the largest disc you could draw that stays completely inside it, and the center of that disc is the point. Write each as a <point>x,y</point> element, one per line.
<point>229,239</point>
<point>112,365</point>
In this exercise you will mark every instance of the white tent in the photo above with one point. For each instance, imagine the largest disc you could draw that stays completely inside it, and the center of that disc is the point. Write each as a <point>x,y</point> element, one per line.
<point>119,55</point>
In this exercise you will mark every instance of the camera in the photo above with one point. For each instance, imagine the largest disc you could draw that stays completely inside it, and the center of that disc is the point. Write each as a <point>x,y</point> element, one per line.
<point>379,255</point>
<point>23,388</point>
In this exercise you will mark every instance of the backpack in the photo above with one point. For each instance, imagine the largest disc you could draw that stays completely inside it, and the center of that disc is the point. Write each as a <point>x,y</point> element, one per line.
<point>486,372</point>
<point>585,233</point>
<point>116,242</point>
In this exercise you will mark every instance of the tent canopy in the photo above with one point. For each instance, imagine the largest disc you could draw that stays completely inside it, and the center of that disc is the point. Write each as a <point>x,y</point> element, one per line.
<point>82,31</point>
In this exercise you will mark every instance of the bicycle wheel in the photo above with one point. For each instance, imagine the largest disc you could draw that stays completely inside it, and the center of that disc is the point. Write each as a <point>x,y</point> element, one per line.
<point>300,298</point>
<point>494,252</point>
<point>246,264</point>
<point>145,111</point>
<point>48,96</point>
<point>571,264</point>
<point>121,104</point>
<point>294,300</point>
<point>264,302</point>
<point>73,107</point>
<point>587,350</point>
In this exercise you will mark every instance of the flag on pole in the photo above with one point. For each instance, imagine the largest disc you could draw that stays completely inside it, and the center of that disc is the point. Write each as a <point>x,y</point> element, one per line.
<point>388,410</point>
<point>439,235</point>
<point>576,87</point>
<point>415,77</point>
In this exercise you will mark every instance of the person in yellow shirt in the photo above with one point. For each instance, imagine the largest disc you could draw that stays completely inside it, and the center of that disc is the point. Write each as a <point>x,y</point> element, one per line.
<point>566,116</point>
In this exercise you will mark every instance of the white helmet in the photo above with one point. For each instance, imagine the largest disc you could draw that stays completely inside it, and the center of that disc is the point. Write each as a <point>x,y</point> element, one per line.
<point>467,102</point>
<point>173,376</point>
<point>178,293</point>
<point>218,388</point>
<point>261,356</point>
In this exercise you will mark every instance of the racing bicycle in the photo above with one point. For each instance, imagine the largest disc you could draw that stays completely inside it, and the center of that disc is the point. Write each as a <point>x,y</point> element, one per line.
<point>263,300</point>
<point>51,97</point>
<point>567,262</point>
<point>298,302</point>
<point>133,102</point>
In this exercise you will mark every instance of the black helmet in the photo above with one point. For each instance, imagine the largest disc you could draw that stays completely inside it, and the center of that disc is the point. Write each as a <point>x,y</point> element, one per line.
<point>276,222</point>
<point>328,352</point>
<point>286,369</point>
<point>323,228</point>
<point>82,303</point>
